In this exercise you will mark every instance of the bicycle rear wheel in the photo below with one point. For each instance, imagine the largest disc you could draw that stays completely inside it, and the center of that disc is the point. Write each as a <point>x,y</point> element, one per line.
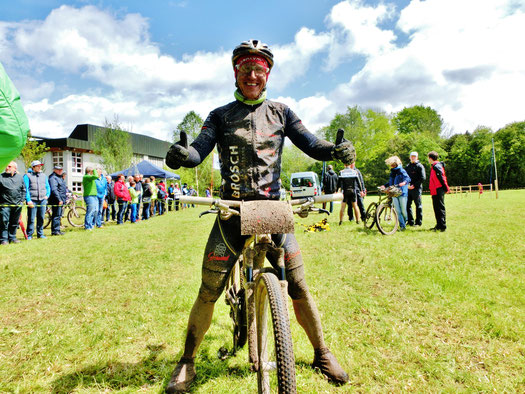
<point>76,216</point>
<point>276,366</point>
<point>370,219</point>
<point>386,219</point>
<point>47,218</point>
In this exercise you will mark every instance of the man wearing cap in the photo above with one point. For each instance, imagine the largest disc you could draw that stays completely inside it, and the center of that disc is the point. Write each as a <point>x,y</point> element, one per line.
<point>37,193</point>
<point>12,194</point>
<point>416,172</point>
<point>57,198</point>
<point>249,133</point>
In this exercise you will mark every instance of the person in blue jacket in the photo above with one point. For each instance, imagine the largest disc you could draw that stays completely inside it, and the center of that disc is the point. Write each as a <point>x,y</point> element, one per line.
<point>57,199</point>
<point>101,184</point>
<point>37,193</point>
<point>399,178</point>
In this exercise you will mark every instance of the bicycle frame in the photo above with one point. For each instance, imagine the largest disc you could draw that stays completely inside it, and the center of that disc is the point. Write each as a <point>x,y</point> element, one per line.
<point>260,219</point>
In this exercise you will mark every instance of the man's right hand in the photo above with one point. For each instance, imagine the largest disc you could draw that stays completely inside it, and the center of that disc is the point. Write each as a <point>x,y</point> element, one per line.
<point>178,152</point>
<point>30,204</point>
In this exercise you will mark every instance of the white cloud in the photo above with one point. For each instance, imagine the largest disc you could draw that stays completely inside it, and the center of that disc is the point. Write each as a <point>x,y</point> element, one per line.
<point>292,60</point>
<point>356,31</point>
<point>313,111</point>
<point>459,59</point>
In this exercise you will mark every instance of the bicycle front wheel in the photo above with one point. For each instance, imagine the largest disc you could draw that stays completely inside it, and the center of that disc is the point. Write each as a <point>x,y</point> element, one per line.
<point>76,216</point>
<point>276,361</point>
<point>370,219</point>
<point>386,219</point>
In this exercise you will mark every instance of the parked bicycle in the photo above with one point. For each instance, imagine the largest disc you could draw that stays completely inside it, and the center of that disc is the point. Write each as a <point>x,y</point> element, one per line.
<point>258,295</point>
<point>382,213</point>
<point>75,214</point>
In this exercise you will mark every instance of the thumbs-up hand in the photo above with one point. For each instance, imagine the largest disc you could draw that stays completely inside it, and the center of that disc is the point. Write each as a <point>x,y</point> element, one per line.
<point>178,152</point>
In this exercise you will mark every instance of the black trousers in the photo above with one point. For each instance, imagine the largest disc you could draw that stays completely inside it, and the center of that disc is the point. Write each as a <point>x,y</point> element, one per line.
<point>438,202</point>
<point>9,217</point>
<point>414,196</point>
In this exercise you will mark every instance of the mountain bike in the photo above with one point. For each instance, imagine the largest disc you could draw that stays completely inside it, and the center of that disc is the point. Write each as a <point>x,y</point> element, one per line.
<point>382,213</point>
<point>75,214</point>
<point>257,295</point>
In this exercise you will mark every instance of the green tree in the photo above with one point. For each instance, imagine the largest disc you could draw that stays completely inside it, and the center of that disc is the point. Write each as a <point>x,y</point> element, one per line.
<point>191,124</point>
<point>113,144</point>
<point>199,177</point>
<point>418,119</point>
<point>33,150</point>
<point>510,155</point>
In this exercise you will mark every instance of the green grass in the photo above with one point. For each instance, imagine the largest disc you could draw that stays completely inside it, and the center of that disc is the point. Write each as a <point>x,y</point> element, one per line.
<point>418,311</point>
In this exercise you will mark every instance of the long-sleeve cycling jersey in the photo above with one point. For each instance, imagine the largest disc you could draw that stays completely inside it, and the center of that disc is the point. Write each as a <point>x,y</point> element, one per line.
<point>250,141</point>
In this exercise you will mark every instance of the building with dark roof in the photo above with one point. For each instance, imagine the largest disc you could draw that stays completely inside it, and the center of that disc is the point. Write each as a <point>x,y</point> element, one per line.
<point>75,152</point>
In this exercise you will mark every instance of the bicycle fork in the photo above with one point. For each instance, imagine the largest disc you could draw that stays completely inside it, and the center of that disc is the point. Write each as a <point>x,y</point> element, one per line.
<point>254,261</point>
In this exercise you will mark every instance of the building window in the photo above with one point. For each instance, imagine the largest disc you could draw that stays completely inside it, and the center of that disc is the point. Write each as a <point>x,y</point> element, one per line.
<point>77,162</point>
<point>77,187</point>
<point>137,158</point>
<point>58,159</point>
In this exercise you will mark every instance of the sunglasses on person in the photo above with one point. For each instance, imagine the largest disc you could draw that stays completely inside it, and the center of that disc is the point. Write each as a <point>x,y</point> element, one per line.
<point>246,69</point>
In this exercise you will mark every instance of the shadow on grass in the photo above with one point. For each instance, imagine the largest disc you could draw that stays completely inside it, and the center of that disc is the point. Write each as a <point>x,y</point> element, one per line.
<point>149,371</point>
<point>116,375</point>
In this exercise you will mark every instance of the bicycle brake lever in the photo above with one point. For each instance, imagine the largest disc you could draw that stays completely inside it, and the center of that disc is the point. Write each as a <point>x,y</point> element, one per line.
<point>208,211</point>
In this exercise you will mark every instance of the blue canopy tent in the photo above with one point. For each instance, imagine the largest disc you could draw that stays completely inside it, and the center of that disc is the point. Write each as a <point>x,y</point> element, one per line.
<point>147,169</point>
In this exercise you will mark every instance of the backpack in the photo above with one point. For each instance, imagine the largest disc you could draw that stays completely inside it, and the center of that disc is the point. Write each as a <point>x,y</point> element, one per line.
<point>161,194</point>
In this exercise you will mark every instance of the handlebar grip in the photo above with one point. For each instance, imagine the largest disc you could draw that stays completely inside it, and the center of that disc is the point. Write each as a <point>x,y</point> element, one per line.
<point>319,199</point>
<point>207,201</point>
<point>340,136</point>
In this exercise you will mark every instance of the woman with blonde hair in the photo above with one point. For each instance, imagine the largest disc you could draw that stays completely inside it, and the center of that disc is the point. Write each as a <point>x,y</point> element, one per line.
<point>400,179</point>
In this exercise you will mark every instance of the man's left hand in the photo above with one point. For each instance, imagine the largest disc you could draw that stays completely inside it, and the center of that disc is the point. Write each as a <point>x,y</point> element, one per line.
<point>345,152</point>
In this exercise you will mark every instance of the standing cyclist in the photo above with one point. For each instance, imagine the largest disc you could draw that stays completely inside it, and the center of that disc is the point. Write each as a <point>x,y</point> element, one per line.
<point>249,133</point>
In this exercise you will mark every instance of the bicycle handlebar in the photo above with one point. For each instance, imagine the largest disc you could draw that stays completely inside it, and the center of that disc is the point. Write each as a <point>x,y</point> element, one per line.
<point>236,203</point>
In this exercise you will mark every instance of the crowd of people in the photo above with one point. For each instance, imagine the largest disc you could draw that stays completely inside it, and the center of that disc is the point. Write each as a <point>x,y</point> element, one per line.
<point>130,199</point>
<point>409,184</point>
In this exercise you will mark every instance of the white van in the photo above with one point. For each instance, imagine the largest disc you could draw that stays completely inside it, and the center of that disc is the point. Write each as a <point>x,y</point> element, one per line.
<point>304,184</point>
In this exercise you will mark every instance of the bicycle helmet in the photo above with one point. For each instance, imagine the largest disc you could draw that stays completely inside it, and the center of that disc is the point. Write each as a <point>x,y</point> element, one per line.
<point>254,47</point>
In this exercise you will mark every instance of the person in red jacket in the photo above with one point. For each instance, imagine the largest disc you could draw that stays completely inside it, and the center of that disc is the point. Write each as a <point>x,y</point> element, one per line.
<point>123,197</point>
<point>438,188</point>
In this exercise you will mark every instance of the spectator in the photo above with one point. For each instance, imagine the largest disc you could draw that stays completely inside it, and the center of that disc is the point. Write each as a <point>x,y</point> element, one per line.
<point>171,196</point>
<point>192,192</point>
<point>348,185</point>
<point>146,199</point>
<point>185,192</point>
<point>154,195</point>
<point>12,194</point>
<point>360,193</point>
<point>438,188</point>
<point>134,194</point>
<point>101,184</point>
<point>57,198</point>
<point>208,192</point>
<point>399,178</point>
<point>110,199</point>
<point>37,193</point>
<point>128,208</point>
<point>177,193</point>
<point>138,187</point>
<point>330,180</point>
<point>161,197</point>
<point>416,172</point>
<point>90,197</point>
<point>123,197</point>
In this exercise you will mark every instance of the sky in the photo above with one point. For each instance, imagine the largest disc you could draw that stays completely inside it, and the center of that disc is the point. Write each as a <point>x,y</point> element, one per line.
<point>151,62</point>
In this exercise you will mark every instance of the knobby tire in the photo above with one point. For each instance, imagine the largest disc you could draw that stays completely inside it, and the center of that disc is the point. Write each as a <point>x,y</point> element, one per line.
<point>386,219</point>
<point>268,297</point>
<point>370,218</point>
<point>76,216</point>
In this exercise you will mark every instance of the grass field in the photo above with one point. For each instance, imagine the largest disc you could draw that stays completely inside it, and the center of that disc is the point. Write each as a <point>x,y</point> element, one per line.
<point>418,311</point>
